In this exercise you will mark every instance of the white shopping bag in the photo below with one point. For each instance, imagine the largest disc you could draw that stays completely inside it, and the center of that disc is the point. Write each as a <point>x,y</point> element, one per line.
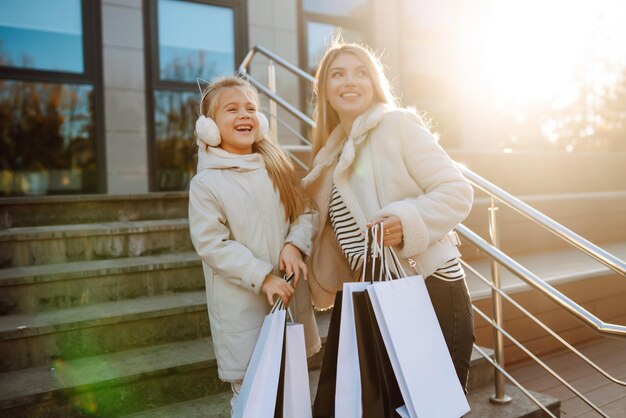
<point>417,349</point>
<point>257,398</point>
<point>297,393</point>
<point>348,389</point>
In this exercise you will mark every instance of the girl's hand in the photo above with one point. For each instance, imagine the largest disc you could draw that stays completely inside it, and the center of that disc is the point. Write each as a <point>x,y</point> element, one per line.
<point>392,230</point>
<point>274,285</point>
<point>291,262</point>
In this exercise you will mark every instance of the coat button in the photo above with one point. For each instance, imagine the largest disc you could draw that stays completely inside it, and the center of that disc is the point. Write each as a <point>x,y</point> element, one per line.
<point>252,285</point>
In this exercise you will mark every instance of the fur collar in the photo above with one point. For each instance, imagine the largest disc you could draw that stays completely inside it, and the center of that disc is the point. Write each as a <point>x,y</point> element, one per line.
<point>337,141</point>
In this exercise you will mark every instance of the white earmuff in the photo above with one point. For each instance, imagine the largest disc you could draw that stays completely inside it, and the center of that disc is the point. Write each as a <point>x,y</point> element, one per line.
<point>264,126</point>
<point>207,131</point>
<point>209,134</point>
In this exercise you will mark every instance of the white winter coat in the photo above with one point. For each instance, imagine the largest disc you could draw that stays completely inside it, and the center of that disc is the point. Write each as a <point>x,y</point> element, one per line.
<point>389,165</point>
<point>238,227</point>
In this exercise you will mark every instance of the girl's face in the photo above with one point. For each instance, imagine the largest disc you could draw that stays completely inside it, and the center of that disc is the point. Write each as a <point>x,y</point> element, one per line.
<point>349,87</point>
<point>237,121</point>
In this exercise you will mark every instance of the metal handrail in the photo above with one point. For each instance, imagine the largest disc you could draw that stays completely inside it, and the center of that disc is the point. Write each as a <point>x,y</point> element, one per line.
<point>589,248</point>
<point>546,328</point>
<point>596,252</point>
<point>539,361</point>
<point>599,254</point>
<point>520,271</point>
<point>243,70</point>
<point>513,380</point>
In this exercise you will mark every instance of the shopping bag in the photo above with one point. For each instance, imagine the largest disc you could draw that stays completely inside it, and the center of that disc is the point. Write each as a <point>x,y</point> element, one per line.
<point>260,387</point>
<point>297,393</point>
<point>380,393</point>
<point>324,404</point>
<point>348,390</point>
<point>417,349</point>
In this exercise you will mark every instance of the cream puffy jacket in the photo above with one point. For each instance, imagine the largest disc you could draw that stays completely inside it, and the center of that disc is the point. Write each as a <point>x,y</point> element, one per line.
<point>238,227</point>
<point>389,165</point>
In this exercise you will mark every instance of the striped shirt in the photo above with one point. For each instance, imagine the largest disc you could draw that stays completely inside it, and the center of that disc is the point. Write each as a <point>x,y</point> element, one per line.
<point>348,234</point>
<point>352,241</point>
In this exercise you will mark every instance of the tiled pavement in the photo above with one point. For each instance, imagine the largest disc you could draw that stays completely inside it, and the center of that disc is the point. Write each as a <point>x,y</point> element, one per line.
<point>608,353</point>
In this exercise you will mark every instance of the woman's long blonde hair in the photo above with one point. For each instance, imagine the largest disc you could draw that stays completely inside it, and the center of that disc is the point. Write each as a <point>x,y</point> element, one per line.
<point>277,163</point>
<point>326,119</point>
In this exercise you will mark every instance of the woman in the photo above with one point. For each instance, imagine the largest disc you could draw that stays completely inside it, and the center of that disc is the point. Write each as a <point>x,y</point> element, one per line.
<point>375,162</point>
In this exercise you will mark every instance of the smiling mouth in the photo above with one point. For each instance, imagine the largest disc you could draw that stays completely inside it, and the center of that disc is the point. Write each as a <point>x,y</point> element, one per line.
<point>243,128</point>
<point>349,95</point>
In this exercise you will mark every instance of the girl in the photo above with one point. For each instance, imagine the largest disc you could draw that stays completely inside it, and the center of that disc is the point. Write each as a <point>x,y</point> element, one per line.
<point>375,162</point>
<point>249,219</point>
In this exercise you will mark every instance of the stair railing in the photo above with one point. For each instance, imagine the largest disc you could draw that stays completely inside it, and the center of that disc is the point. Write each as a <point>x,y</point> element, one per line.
<point>498,258</point>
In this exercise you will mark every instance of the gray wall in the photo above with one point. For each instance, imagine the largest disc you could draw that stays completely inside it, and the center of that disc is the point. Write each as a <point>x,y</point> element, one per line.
<point>124,96</point>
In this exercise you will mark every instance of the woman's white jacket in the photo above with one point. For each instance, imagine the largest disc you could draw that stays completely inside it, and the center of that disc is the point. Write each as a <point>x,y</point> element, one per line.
<point>388,165</point>
<point>238,227</point>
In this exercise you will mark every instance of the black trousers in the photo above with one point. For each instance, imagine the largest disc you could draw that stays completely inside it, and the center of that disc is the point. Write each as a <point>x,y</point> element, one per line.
<point>453,308</point>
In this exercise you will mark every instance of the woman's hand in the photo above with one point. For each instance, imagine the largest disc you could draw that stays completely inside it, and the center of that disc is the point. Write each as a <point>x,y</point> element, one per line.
<point>392,230</point>
<point>291,262</point>
<point>274,285</point>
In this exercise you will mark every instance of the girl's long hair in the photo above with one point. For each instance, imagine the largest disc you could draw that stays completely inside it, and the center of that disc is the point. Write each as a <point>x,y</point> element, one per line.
<point>278,164</point>
<point>326,119</point>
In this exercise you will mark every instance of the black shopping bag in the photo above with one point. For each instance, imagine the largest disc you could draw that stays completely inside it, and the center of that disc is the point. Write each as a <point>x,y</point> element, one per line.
<point>380,393</point>
<point>324,404</point>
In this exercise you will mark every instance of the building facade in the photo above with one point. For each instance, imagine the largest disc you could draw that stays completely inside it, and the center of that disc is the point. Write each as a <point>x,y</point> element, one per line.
<point>100,96</point>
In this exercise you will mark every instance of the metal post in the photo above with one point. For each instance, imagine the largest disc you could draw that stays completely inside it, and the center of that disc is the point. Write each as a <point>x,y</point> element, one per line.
<point>271,82</point>
<point>500,396</point>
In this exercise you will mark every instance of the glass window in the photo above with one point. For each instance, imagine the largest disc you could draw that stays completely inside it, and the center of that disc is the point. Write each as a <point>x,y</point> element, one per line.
<point>42,35</point>
<point>195,40</point>
<point>429,16</point>
<point>48,127</point>
<point>174,118</point>
<point>200,38</point>
<point>354,9</point>
<point>47,140</point>
<point>319,36</point>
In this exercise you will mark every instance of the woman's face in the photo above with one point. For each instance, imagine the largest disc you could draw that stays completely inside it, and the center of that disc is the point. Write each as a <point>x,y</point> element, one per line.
<point>349,87</point>
<point>237,121</point>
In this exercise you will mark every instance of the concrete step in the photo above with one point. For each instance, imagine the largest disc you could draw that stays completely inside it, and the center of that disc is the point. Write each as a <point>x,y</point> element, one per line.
<point>140,379</point>
<point>66,285</point>
<point>170,380</point>
<point>30,340</point>
<point>212,406</point>
<point>112,384</point>
<point>218,405</point>
<point>37,245</point>
<point>64,210</point>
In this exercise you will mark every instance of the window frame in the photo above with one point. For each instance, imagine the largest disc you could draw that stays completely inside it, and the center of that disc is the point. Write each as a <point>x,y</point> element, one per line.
<point>152,65</point>
<point>304,17</point>
<point>91,14</point>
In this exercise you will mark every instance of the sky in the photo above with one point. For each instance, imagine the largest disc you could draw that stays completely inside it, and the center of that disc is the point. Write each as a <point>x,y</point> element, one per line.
<point>541,49</point>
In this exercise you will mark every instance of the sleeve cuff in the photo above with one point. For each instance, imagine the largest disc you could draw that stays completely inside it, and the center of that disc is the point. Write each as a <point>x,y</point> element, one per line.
<point>255,275</point>
<point>414,232</point>
<point>303,245</point>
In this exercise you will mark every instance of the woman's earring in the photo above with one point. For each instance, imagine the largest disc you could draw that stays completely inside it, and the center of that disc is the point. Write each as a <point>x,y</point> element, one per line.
<point>264,126</point>
<point>208,132</point>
